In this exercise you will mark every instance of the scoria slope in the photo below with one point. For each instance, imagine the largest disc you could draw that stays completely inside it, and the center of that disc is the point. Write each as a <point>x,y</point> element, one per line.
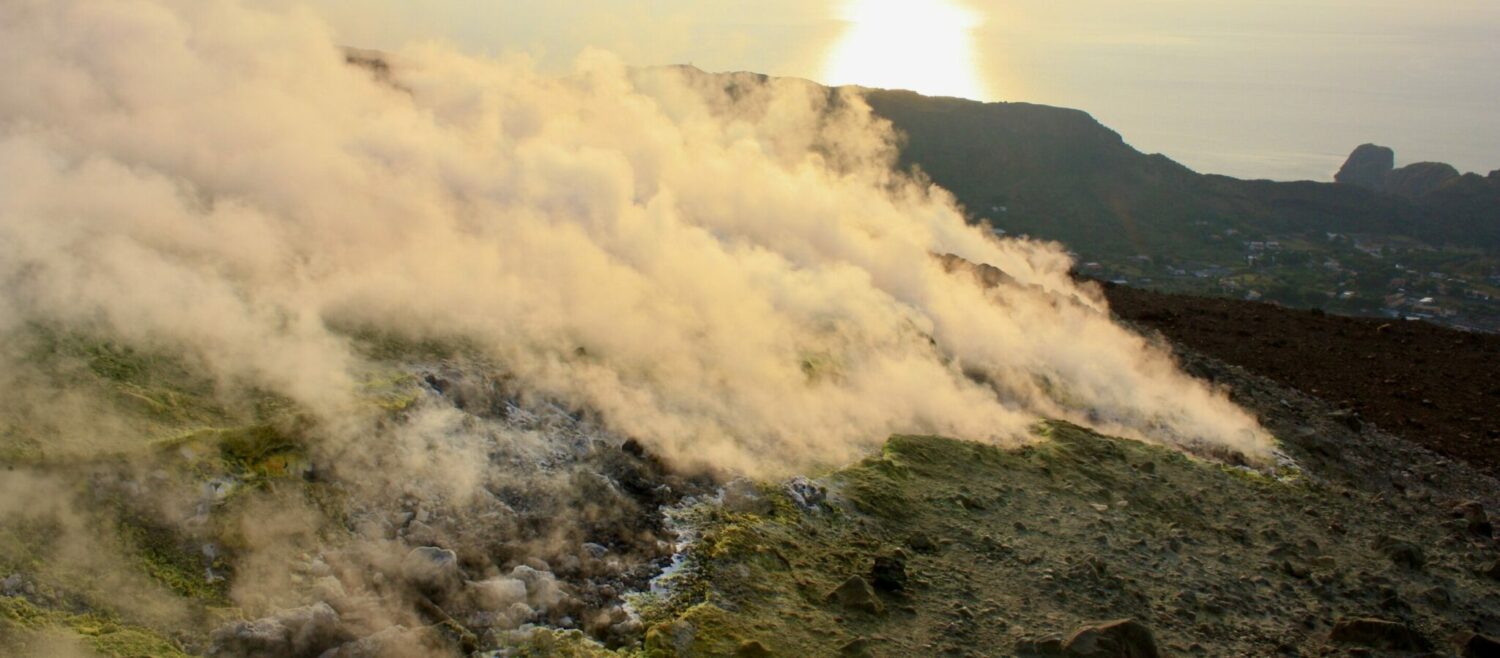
<point>940,547</point>
<point>931,547</point>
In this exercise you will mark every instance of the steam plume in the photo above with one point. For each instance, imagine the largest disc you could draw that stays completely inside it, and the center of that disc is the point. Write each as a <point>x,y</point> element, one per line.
<point>727,269</point>
<point>733,273</point>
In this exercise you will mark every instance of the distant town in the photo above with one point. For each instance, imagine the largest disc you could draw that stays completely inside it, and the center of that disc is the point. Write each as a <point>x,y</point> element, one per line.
<point>1341,273</point>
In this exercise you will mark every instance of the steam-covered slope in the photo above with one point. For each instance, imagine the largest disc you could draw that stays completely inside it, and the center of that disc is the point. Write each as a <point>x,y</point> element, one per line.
<point>305,351</point>
<point>212,507</point>
<point>940,547</point>
<point>244,532</point>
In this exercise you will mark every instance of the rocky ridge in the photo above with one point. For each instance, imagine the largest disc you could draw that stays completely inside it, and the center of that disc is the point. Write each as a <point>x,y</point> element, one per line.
<point>1373,168</point>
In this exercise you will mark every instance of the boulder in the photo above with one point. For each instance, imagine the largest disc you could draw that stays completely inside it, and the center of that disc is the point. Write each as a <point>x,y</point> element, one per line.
<point>1402,553</point>
<point>804,493</point>
<point>856,648</point>
<point>390,641</point>
<point>921,542</point>
<point>1491,570</point>
<point>498,594</point>
<point>1051,645</point>
<point>889,572</point>
<point>1436,596</point>
<point>431,568</point>
<point>1479,646</point>
<point>13,585</point>
<point>542,590</point>
<point>1474,515</point>
<point>305,631</point>
<point>744,497</point>
<point>1123,638</point>
<point>856,594</point>
<point>752,649</point>
<point>1348,418</point>
<point>1377,634</point>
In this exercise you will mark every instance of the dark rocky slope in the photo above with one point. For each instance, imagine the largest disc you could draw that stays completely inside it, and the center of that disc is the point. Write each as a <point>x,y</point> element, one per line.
<point>1434,386</point>
<point>1358,543</point>
<point>1371,546</point>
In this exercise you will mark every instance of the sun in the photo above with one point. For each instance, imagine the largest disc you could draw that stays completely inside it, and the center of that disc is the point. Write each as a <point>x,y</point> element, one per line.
<point>926,46</point>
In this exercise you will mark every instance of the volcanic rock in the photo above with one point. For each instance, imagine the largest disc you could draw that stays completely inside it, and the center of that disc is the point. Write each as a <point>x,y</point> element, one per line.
<point>305,631</point>
<point>856,594</point>
<point>1479,646</point>
<point>805,493</point>
<point>741,495</point>
<point>1436,596</point>
<point>498,593</point>
<point>1348,418</point>
<point>1051,645</point>
<point>1373,167</point>
<point>542,589</point>
<point>1492,570</point>
<point>390,641</point>
<point>752,649</point>
<point>1123,638</point>
<point>889,572</point>
<point>856,648</point>
<point>431,568</point>
<point>1474,515</point>
<point>1378,634</point>
<point>1367,167</point>
<point>1419,179</point>
<point>13,585</point>
<point>1402,553</point>
<point>921,542</point>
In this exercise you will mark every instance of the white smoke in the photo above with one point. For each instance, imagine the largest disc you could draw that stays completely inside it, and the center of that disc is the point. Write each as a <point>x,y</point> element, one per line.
<point>728,269</point>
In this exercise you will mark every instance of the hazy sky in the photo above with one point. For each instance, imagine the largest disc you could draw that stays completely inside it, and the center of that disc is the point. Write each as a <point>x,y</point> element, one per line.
<point>1271,88</point>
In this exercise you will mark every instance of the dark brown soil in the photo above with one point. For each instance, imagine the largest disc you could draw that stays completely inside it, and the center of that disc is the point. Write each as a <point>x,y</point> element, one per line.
<point>1435,386</point>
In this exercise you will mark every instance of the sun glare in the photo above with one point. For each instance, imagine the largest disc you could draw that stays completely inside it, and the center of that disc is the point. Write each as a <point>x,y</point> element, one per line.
<point>926,46</point>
